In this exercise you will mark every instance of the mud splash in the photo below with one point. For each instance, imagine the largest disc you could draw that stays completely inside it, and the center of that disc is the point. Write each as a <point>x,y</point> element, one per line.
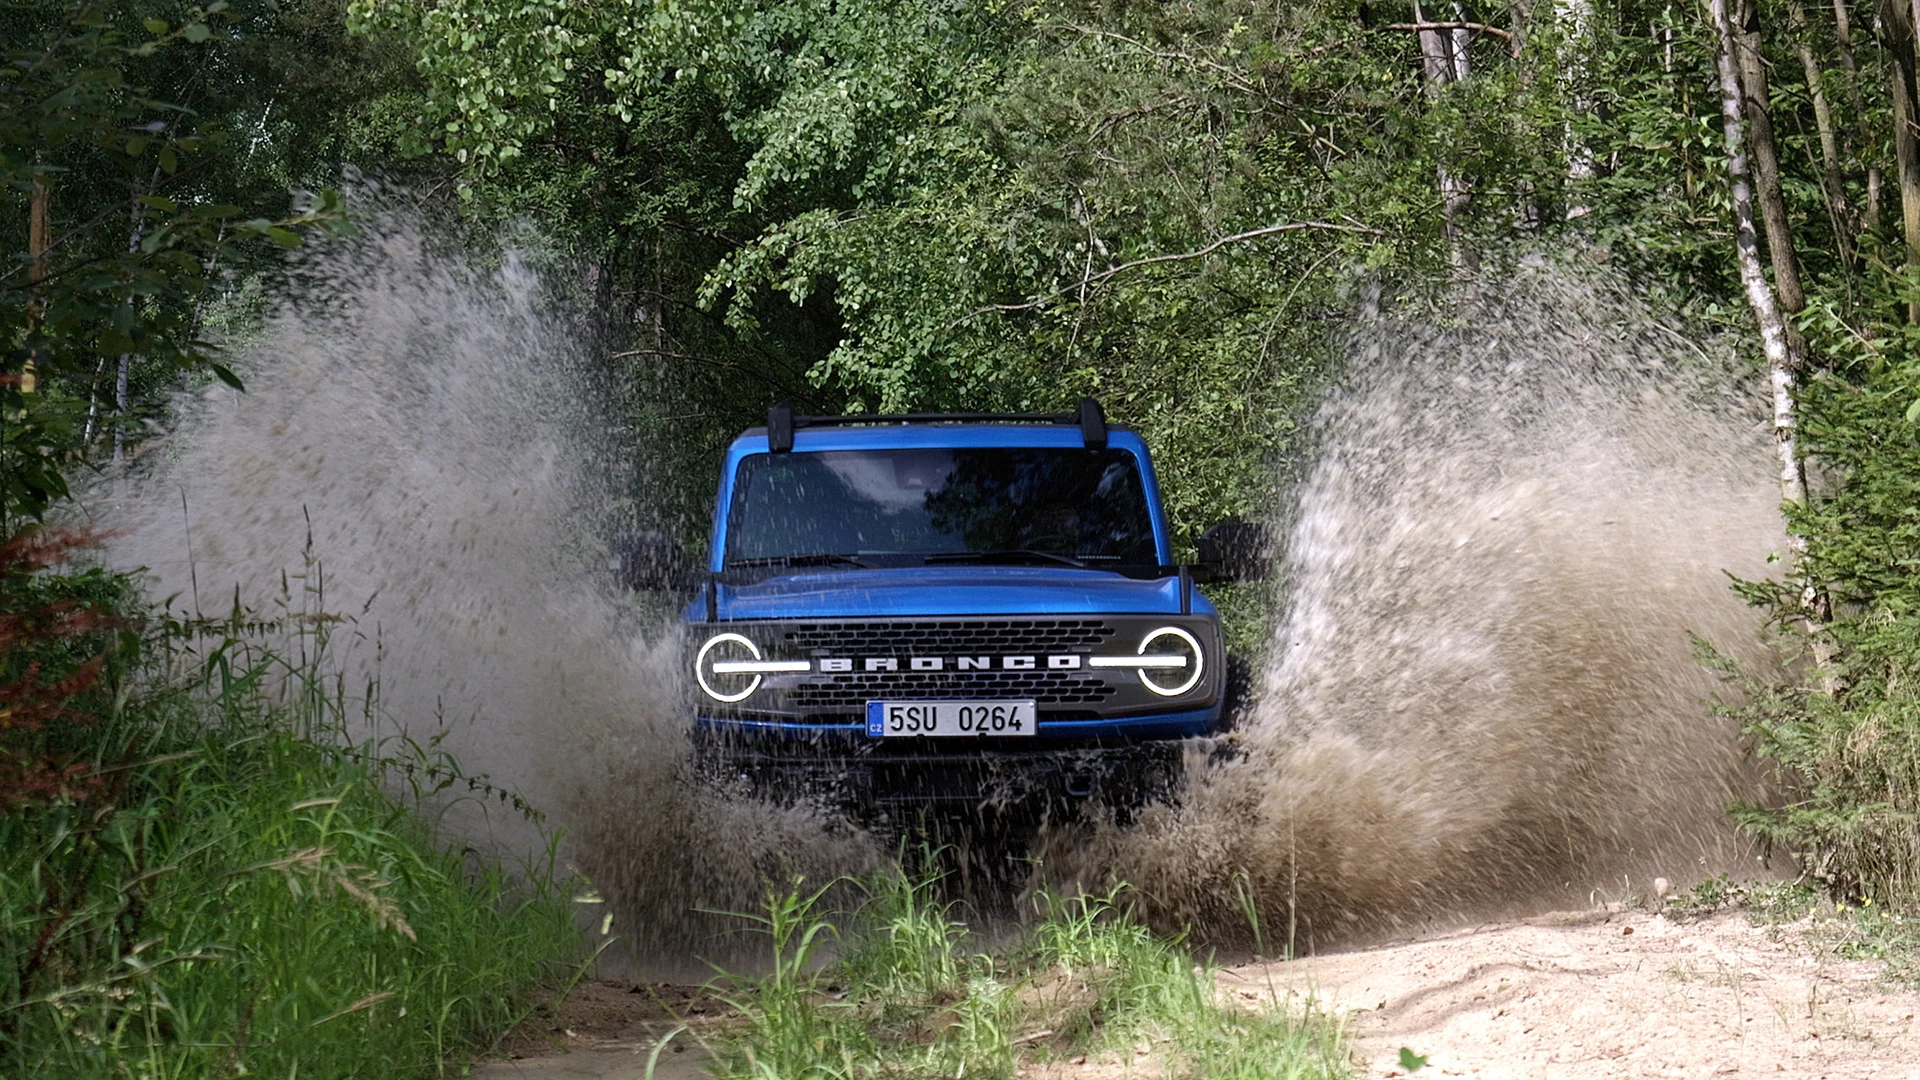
<point>413,455</point>
<point>1482,694</point>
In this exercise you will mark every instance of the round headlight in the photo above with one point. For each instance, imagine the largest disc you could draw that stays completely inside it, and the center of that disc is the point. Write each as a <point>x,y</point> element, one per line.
<point>1170,661</point>
<point>726,685</point>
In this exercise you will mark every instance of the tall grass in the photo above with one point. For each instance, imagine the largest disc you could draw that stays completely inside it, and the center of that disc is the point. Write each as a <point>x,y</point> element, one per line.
<point>227,887</point>
<point>908,995</point>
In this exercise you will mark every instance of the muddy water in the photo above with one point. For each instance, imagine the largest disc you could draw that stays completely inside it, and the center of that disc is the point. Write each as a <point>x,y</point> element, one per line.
<point>414,455</point>
<point>1481,691</point>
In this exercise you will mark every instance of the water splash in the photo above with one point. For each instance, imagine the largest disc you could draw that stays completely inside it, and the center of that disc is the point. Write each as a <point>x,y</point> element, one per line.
<point>1482,693</point>
<point>416,435</point>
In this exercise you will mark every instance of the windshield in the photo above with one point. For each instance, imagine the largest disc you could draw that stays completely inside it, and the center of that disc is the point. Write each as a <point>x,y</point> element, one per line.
<point>905,506</point>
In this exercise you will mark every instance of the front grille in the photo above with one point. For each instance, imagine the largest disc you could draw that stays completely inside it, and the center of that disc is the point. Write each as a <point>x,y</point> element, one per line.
<point>943,638</point>
<point>853,691</point>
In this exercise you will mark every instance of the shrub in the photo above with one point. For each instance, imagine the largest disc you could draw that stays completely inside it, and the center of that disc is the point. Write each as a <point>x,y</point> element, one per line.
<point>1846,729</point>
<point>197,879</point>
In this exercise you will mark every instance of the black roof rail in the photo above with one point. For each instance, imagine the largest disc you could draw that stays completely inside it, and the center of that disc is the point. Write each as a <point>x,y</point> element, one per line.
<point>780,428</point>
<point>1090,418</point>
<point>1093,423</point>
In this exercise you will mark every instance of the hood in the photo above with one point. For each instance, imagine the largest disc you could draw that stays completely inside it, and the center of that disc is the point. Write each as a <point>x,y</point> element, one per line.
<point>949,590</point>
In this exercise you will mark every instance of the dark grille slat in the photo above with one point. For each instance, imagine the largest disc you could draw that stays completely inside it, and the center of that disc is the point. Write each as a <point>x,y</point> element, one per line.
<point>1044,687</point>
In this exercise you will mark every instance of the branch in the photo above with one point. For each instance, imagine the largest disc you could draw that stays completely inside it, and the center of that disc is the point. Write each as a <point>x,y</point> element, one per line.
<point>1185,256</point>
<point>1237,79</point>
<point>1513,44</point>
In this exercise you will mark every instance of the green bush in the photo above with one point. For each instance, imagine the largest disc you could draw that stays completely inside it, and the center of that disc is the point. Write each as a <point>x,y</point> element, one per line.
<point>1845,730</point>
<point>220,886</point>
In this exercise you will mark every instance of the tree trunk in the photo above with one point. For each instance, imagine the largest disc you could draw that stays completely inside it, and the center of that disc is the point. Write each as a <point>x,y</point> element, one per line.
<point>39,239</point>
<point>134,231</point>
<point>1898,20</point>
<point>120,406</point>
<point>1782,366</point>
<point>1860,133</point>
<point>1843,43</point>
<point>1831,183</point>
<point>1576,19</point>
<point>1783,363</point>
<point>1444,60</point>
<point>1752,65</point>
<point>1462,42</point>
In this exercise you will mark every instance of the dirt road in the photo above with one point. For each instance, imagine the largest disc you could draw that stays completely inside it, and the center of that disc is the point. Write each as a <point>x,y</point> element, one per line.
<point>1574,996</point>
<point>1582,996</point>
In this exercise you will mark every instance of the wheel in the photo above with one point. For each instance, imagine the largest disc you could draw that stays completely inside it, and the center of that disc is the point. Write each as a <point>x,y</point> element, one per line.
<point>1240,695</point>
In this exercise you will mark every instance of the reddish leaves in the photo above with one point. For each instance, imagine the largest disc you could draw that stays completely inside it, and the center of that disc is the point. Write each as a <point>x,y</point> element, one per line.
<point>45,670</point>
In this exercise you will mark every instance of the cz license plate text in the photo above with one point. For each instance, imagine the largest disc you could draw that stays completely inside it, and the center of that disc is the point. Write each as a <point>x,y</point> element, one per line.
<point>961,719</point>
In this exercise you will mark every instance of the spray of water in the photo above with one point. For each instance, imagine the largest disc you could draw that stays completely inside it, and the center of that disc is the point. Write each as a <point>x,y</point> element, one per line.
<point>414,436</point>
<point>1482,692</point>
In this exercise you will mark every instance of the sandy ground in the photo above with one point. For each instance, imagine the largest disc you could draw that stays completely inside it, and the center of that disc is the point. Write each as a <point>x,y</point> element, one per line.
<point>1573,996</point>
<point>609,1031</point>
<point>1610,994</point>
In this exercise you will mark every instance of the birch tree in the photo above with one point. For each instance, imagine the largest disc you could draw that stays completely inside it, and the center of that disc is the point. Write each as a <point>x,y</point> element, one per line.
<point>1782,364</point>
<point>1576,45</point>
<point>1778,339</point>
<point>1444,60</point>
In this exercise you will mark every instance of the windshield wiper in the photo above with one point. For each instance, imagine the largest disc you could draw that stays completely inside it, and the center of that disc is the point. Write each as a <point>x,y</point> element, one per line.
<point>819,559</point>
<point>1003,555</point>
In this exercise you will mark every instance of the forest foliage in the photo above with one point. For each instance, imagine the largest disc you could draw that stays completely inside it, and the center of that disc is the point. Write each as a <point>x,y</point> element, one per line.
<point>201,875</point>
<point>871,204</point>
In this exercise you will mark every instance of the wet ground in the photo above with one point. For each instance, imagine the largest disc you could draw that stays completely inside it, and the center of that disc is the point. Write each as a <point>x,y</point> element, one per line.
<point>1570,996</point>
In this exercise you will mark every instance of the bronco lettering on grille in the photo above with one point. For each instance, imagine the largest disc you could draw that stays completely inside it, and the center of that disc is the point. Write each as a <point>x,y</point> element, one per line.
<point>848,664</point>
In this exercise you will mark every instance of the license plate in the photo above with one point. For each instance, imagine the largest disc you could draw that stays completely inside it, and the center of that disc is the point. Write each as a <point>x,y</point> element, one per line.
<point>961,719</point>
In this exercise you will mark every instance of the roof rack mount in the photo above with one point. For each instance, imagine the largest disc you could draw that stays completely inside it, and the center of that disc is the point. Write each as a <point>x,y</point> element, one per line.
<point>1089,417</point>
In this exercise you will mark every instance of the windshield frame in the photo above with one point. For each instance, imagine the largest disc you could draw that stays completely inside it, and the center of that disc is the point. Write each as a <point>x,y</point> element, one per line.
<point>948,437</point>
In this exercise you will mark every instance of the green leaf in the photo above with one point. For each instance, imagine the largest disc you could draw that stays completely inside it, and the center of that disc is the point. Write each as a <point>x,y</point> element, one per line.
<point>1913,412</point>
<point>137,146</point>
<point>286,238</point>
<point>156,26</point>
<point>169,161</point>
<point>221,372</point>
<point>196,32</point>
<point>1411,1061</point>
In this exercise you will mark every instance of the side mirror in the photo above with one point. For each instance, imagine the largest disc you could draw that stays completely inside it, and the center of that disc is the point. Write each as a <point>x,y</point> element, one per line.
<point>647,560</point>
<point>1235,551</point>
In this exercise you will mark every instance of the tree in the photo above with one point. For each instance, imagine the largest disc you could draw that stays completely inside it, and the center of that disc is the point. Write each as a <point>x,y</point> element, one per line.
<point>1782,365</point>
<point>159,155</point>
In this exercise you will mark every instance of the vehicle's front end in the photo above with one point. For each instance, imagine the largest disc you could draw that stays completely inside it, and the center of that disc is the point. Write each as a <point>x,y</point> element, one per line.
<point>929,705</point>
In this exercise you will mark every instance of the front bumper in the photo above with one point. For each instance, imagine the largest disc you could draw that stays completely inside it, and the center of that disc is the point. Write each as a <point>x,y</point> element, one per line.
<point>853,770</point>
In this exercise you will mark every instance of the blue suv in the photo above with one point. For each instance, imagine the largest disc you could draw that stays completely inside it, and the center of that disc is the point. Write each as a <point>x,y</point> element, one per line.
<point>957,609</point>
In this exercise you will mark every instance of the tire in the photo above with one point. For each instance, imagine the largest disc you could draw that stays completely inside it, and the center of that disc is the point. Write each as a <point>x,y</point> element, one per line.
<point>1240,695</point>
